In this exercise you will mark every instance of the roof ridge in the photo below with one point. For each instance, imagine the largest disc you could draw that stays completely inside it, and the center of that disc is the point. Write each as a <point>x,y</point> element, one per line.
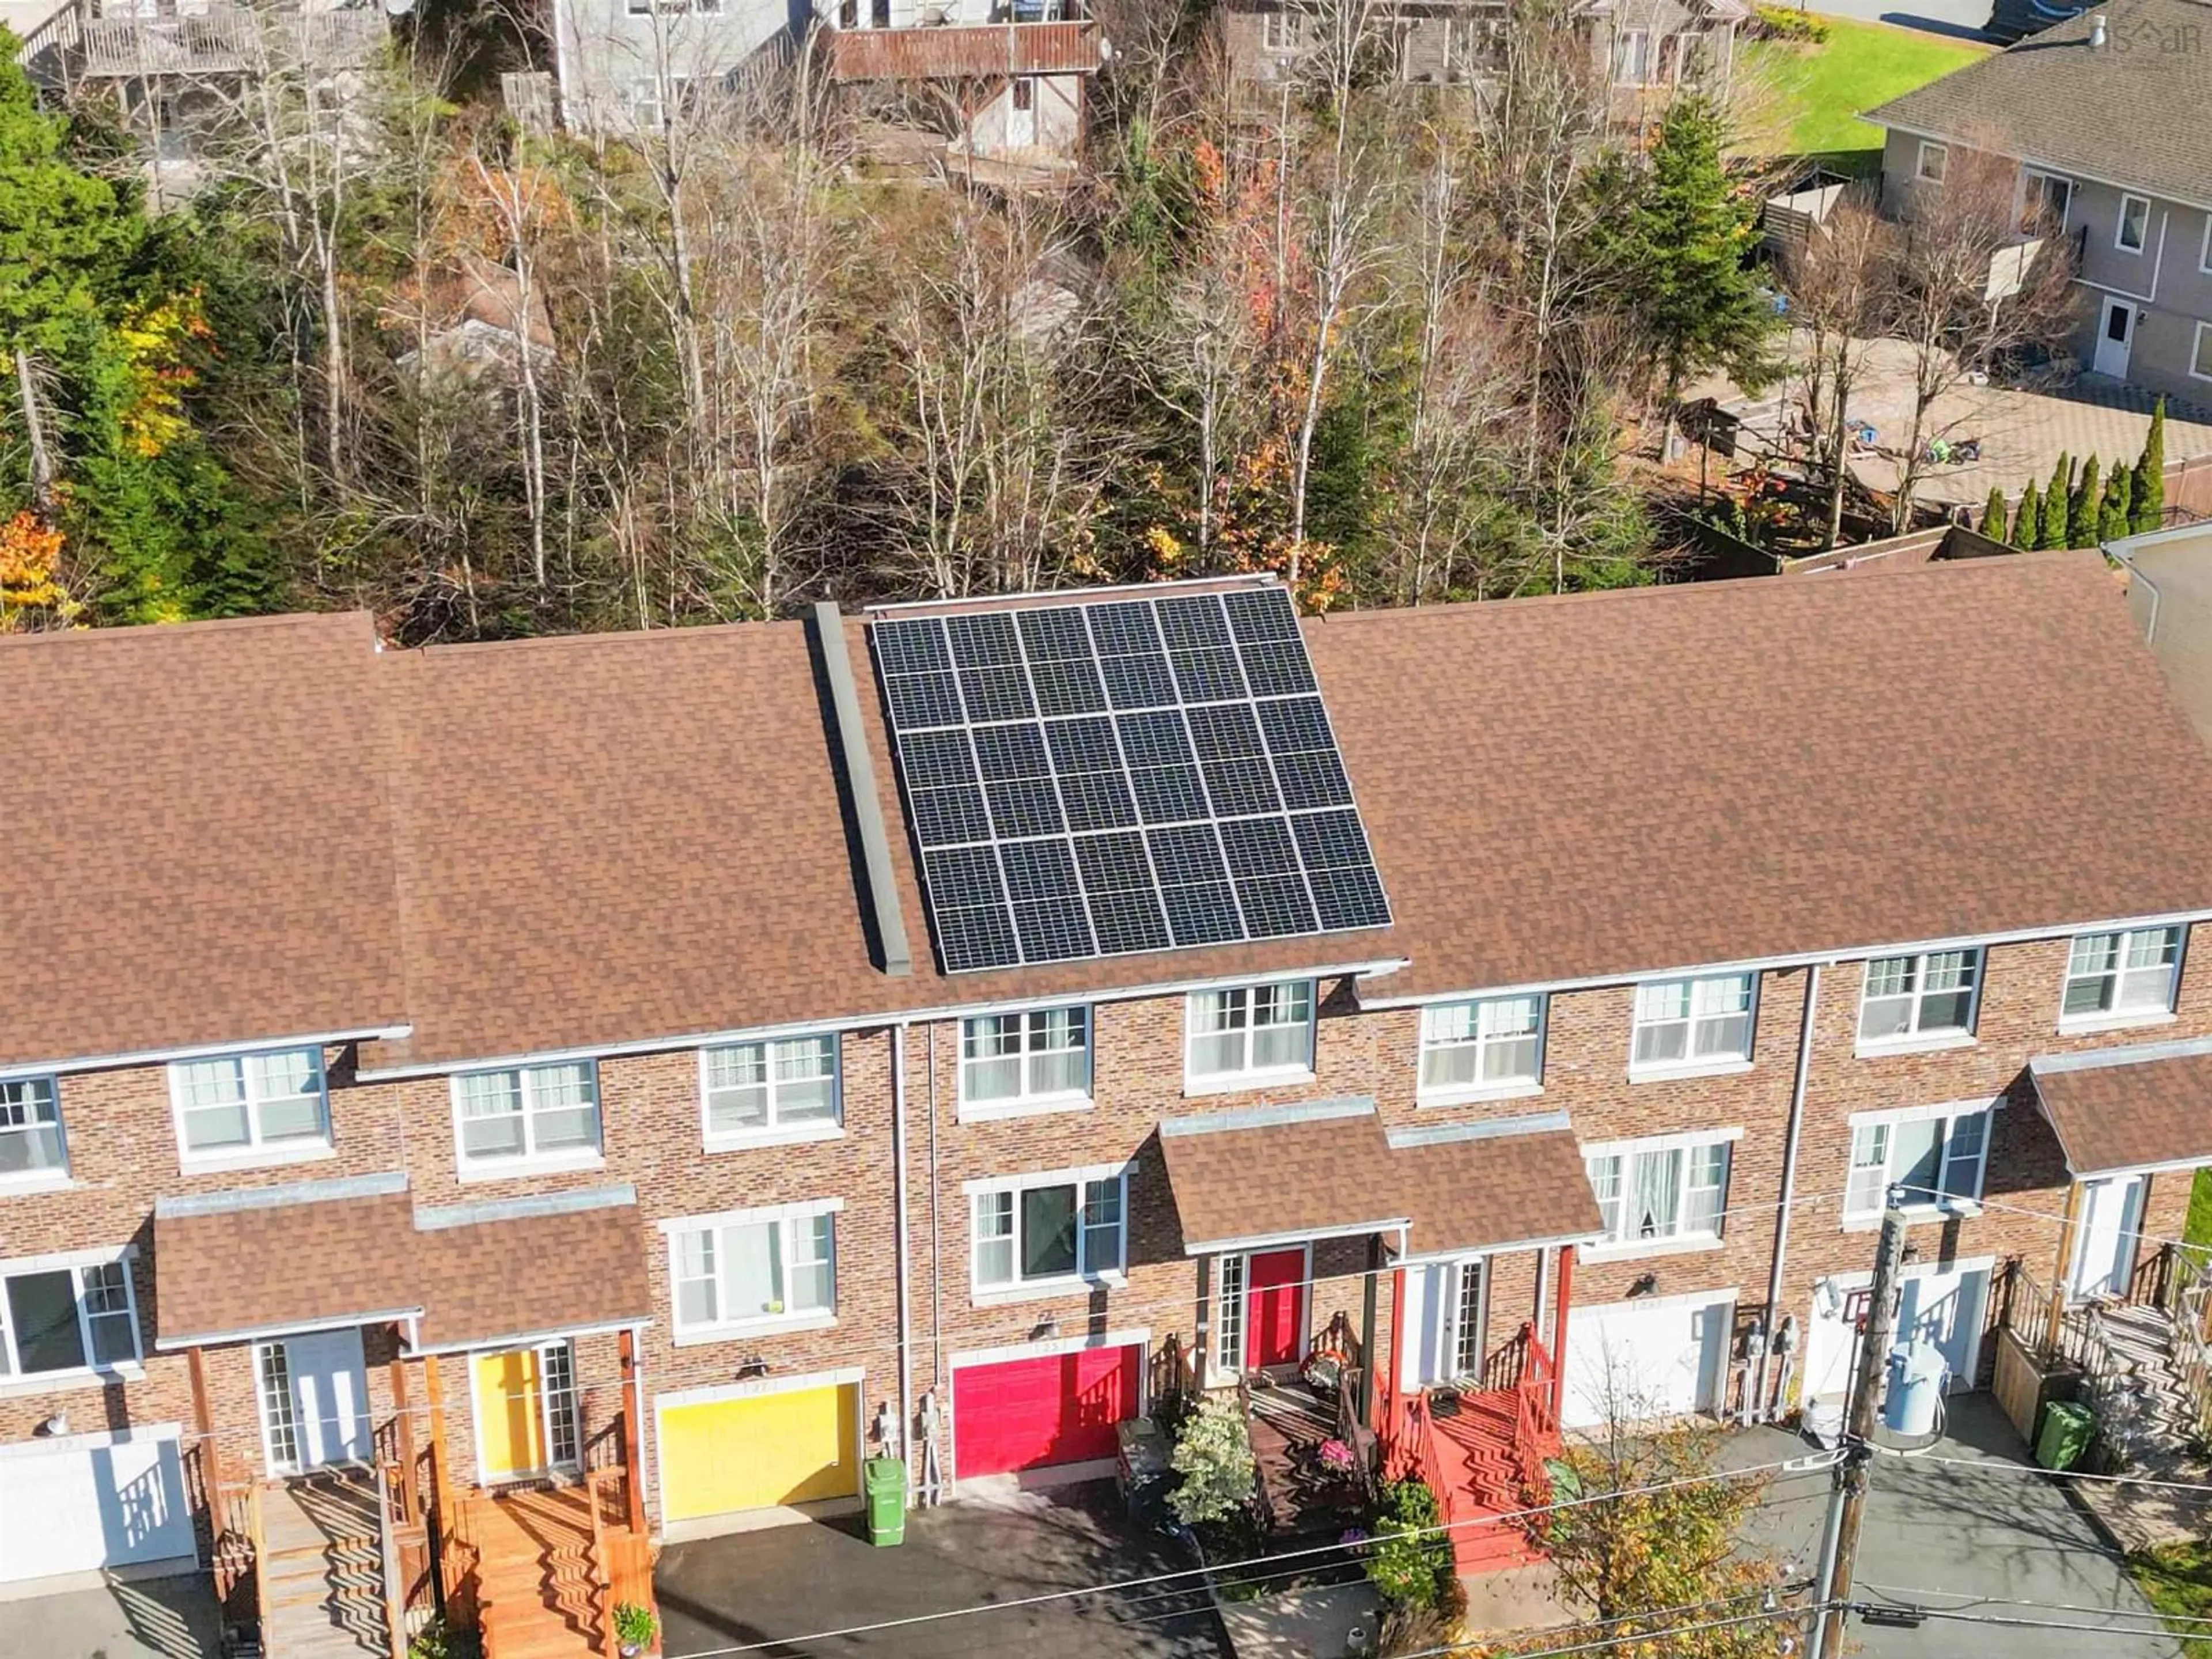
<point>208,625</point>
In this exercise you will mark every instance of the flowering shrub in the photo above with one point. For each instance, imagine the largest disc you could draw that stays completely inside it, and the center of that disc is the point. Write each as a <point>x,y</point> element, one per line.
<point>1337,1457</point>
<point>1214,1458</point>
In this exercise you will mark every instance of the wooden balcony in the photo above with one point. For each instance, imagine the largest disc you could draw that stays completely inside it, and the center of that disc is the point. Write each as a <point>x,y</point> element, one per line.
<point>967,52</point>
<point>227,41</point>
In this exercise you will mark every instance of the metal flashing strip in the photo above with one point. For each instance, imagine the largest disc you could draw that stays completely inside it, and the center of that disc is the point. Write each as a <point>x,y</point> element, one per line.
<point>2091,1059</point>
<point>1439,1134</point>
<point>430,1220</point>
<point>867,799</point>
<point>172,1344</point>
<point>335,1190</point>
<point>1264,1117</point>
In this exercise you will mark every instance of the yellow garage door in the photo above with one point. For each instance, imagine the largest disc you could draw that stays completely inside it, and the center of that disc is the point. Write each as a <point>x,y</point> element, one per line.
<point>796,1447</point>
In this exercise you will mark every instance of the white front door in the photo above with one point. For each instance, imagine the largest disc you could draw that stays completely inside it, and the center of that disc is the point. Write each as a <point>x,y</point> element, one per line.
<point>314,1400</point>
<point>2105,1247</point>
<point>1446,1304</point>
<point>1021,112</point>
<point>2116,337</point>
<point>1942,1305</point>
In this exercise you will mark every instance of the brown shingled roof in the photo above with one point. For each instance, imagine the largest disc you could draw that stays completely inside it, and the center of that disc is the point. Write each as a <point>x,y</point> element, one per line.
<point>199,849</point>
<point>584,1267</point>
<point>2128,1109</point>
<point>1478,1191</point>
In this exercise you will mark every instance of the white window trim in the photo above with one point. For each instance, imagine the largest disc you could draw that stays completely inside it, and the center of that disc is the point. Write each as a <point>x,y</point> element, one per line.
<point>1025,1105</point>
<point>1223,1083</point>
<point>1519,1088</point>
<point>2065,219</point>
<point>2204,253</point>
<point>2120,223</point>
<point>780,1216</point>
<point>2196,352</point>
<point>1680,1243</point>
<point>1643,57</point>
<point>527,1162</point>
<point>42,1181</point>
<point>15,1383</point>
<point>1030,1289</point>
<point>1861,1220</point>
<point>2122,1020</point>
<point>256,1154</point>
<point>1916,1043</point>
<point>1928,147</point>
<point>774,1133</point>
<point>1719,1065</point>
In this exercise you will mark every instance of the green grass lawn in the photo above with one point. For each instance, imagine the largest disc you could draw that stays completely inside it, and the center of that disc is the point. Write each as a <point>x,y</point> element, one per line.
<point>2178,1579</point>
<point>2197,1229</point>
<point>1817,91</point>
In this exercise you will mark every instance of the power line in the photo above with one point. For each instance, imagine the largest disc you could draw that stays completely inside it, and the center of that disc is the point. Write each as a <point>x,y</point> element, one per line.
<point>1997,1468</point>
<point>1966,1601</point>
<point>1475,1644</point>
<point>1879,1609</point>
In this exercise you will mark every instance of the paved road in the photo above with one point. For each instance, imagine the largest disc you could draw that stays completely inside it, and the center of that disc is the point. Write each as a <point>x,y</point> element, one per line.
<point>1978,1541</point>
<point>1959,19</point>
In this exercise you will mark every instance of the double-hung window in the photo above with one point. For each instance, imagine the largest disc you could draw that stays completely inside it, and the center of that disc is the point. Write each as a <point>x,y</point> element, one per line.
<point>1931,995</point>
<point>527,1114</point>
<point>1937,1153</point>
<point>753,1268</point>
<point>1010,1061</point>
<point>31,1131</point>
<point>1044,1229</point>
<point>2046,199</point>
<point>245,1104</point>
<point>1251,1030</point>
<point>1631,57</point>
<point>1469,1048</point>
<point>1669,1190</point>
<point>761,1089</point>
<point>2132,230</point>
<point>67,1319</point>
<point>1686,1022</point>
<point>2118,975</point>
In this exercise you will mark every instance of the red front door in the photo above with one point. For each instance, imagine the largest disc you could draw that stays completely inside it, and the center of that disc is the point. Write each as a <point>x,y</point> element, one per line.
<point>1274,1298</point>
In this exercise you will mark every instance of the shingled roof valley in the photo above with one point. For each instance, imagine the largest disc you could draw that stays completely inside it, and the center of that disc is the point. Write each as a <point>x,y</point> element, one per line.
<point>234,832</point>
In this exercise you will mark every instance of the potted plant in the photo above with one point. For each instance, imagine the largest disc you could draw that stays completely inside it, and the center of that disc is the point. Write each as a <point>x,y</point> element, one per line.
<point>1338,1461</point>
<point>635,1628</point>
<point>1320,1370</point>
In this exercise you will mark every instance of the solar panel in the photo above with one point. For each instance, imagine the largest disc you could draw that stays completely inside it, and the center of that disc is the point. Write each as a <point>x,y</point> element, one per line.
<point>1130,774</point>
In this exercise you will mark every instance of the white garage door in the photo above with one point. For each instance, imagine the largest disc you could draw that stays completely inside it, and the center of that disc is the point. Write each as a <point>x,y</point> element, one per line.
<point>1944,1304</point>
<point>1632,1361</point>
<point>81,1502</point>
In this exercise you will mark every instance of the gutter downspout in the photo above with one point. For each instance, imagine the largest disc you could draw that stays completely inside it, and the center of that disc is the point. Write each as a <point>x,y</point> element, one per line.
<point>1789,1180</point>
<point>936,1266</point>
<point>898,1198</point>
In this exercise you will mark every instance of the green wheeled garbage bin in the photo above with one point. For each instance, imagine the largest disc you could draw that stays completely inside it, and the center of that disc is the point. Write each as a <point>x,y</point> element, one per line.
<point>2066,1431</point>
<point>886,1490</point>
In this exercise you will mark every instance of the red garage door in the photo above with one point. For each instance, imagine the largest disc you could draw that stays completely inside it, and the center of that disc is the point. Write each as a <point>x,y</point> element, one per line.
<point>1028,1414</point>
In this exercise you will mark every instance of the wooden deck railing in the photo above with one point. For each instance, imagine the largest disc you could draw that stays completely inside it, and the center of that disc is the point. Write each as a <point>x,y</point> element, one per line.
<point>230,40</point>
<point>1418,1445</point>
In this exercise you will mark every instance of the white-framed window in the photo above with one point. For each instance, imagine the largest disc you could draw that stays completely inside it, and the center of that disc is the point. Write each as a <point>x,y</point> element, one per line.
<point>1012,1062</point>
<point>1907,998</point>
<point>1048,1228</point>
<point>1932,161</point>
<point>1683,1023</point>
<point>56,1319</point>
<point>31,1146</point>
<point>2045,200</point>
<point>242,1104</point>
<point>1490,1043</point>
<point>1251,1030</point>
<point>2204,253</point>
<point>1631,57</point>
<point>2132,230</point>
<point>2118,975</point>
<point>2200,352</point>
<point>1673,1189</point>
<point>754,1090</point>
<point>1279,30</point>
<point>754,1268</point>
<point>1937,1153</point>
<point>527,1112</point>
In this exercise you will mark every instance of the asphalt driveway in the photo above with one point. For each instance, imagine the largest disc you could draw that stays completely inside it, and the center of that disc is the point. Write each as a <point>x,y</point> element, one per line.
<point>790,1590</point>
<point>1977,1540</point>
<point>171,1618</point>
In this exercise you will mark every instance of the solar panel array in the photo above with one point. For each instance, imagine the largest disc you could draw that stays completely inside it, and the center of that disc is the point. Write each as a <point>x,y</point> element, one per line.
<point>1123,775</point>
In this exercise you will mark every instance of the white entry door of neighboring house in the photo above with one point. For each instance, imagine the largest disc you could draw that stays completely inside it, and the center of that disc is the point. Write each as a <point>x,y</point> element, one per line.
<point>1446,1306</point>
<point>1944,1306</point>
<point>314,1400</point>
<point>2116,337</point>
<point>1021,113</point>
<point>2105,1246</point>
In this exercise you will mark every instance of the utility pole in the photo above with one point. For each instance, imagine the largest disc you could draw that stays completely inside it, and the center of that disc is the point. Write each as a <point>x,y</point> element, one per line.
<point>1847,1496</point>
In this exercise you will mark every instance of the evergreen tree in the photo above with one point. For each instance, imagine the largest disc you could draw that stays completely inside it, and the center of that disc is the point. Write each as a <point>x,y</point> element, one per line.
<point>2028,528</point>
<point>1993,514</point>
<point>2119,503</point>
<point>2053,533</point>
<point>2148,511</point>
<point>1695,304</point>
<point>2083,507</point>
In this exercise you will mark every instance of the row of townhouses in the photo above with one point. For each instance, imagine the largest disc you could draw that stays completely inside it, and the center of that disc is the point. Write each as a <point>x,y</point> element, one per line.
<point>677,1066</point>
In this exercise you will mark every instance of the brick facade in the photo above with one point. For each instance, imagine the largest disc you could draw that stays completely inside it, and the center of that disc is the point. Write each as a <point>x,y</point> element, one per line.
<point>123,1153</point>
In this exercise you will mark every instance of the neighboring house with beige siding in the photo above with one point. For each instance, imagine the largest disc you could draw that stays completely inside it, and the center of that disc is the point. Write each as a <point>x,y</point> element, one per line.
<point>2104,118</point>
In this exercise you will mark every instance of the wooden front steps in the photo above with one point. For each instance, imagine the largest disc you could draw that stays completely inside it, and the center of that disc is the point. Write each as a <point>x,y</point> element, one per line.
<point>1480,1463</point>
<point>540,1594</point>
<point>322,1568</point>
